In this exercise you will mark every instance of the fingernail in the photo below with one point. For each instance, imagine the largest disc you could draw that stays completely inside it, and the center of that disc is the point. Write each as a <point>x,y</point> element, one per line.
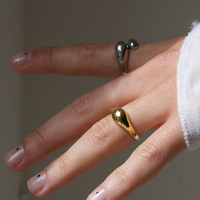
<point>21,59</point>
<point>98,195</point>
<point>37,183</point>
<point>15,156</point>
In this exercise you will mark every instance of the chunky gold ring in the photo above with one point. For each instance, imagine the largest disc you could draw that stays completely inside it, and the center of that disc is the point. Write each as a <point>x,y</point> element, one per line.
<point>121,118</point>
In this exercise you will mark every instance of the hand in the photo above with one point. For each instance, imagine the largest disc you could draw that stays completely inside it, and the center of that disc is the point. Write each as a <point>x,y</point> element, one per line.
<point>147,93</point>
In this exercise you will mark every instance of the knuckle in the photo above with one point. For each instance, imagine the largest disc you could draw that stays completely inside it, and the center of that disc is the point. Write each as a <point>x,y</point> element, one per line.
<point>168,87</point>
<point>49,53</point>
<point>100,132</point>
<point>82,106</point>
<point>46,55</point>
<point>149,154</point>
<point>88,53</point>
<point>166,59</point>
<point>40,135</point>
<point>62,164</point>
<point>122,178</point>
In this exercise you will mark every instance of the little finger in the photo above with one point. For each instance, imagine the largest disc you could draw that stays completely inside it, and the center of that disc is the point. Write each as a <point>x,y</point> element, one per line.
<point>144,163</point>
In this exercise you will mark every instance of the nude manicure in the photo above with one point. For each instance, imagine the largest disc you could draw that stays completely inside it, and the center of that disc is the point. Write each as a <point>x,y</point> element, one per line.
<point>20,59</point>
<point>15,156</point>
<point>37,183</point>
<point>98,195</point>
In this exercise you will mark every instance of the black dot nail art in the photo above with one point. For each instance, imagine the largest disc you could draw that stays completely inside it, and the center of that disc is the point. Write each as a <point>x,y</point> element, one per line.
<point>26,53</point>
<point>17,148</point>
<point>97,192</point>
<point>38,175</point>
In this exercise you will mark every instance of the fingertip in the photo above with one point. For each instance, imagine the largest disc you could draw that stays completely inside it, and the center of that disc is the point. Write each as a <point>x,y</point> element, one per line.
<point>98,194</point>
<point>14,157</point>
<point>20,59</point>
<point>35,61</point>
<point>36,184</point>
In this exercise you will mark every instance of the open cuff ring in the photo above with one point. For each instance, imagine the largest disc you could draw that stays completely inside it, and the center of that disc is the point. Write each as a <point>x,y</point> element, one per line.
<point>122,52</point>
<point>121,118</point>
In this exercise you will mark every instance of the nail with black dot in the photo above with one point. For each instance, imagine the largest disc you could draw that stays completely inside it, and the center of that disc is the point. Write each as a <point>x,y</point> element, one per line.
<point>38,175</point>
<point>97,192</point>
<point>17,148</point>
<point>26,53</point>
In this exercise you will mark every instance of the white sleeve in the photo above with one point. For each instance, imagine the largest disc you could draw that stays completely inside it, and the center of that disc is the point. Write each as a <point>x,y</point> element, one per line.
<point>188,87</point>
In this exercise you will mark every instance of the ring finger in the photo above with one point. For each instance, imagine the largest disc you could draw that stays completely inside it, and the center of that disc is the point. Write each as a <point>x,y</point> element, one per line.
<point>106,138</point>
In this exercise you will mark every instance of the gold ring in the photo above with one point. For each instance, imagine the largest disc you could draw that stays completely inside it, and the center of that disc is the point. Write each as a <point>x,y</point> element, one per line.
<point>121,118</point>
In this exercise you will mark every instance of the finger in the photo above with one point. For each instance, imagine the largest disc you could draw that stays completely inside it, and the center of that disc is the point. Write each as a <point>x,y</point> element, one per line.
<point>85,59</point>
<point>77,118</point>
<point>102,140</point>
<point>148,51</point>
<point>145,162</point>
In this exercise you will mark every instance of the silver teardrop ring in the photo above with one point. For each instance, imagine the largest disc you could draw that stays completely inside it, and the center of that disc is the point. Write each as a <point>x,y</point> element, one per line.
<point>122,52</point>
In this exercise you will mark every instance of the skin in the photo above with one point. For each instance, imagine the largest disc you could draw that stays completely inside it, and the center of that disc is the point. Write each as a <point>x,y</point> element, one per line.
<point>150,100</point>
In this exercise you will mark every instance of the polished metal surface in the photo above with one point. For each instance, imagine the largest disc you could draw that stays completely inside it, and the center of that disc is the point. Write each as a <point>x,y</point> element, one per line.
<point>122,52</point>
<point>122,56</point>
<point>121,117</point>
<point>132,44</point>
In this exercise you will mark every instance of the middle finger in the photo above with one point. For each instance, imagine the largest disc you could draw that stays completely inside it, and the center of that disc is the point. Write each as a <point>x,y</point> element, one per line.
<point>78,117</point>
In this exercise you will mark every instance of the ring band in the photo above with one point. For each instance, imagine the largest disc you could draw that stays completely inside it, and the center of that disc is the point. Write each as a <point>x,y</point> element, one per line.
<point>121,117</point>
<point>122,52</point>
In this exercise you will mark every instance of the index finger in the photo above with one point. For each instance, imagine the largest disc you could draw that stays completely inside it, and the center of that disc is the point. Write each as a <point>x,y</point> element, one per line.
<point>84,59</point>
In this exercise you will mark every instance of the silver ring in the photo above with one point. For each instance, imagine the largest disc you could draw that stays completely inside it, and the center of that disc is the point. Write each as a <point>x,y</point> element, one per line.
<point>122,52</point>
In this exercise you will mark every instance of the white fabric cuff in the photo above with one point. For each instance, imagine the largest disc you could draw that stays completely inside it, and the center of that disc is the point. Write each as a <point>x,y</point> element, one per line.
<point>188,87</point>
